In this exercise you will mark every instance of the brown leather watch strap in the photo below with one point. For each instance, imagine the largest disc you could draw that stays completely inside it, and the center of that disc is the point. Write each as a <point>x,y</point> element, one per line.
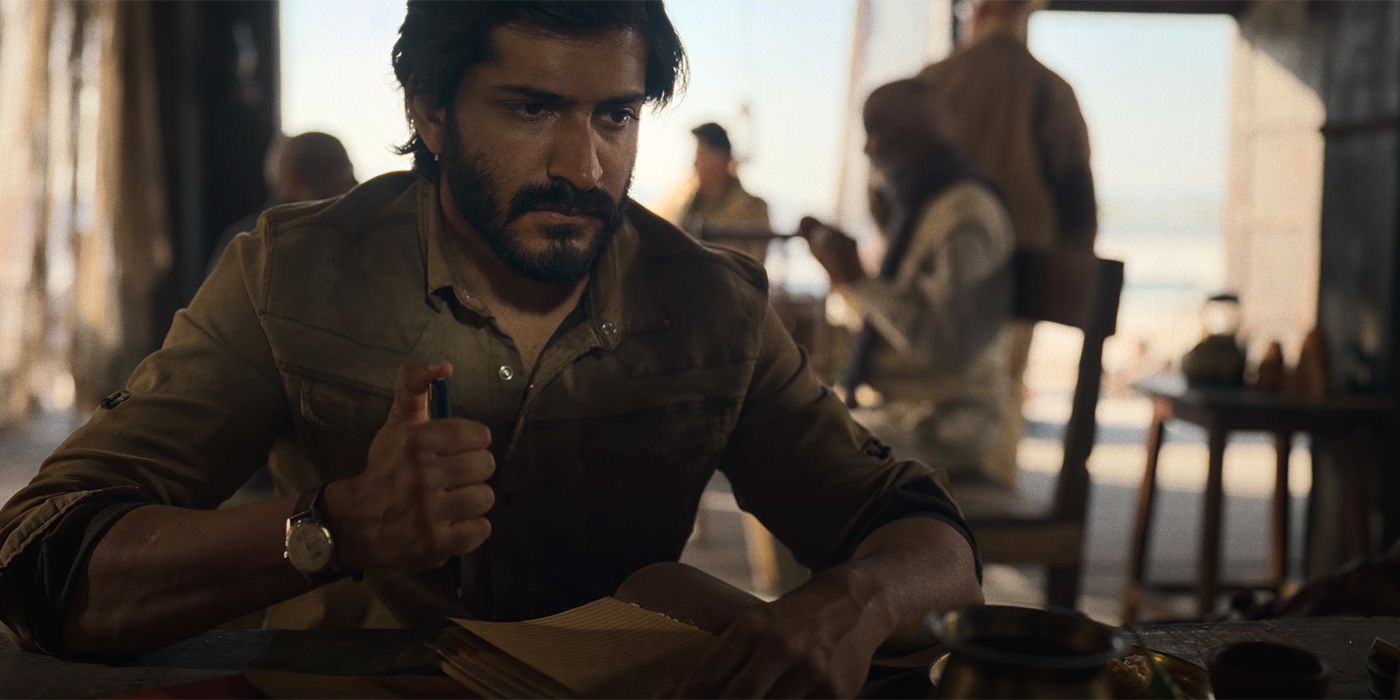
<point>308,506</point>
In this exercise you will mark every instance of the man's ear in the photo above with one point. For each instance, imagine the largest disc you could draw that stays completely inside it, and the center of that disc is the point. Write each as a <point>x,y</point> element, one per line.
<point>429,120</point>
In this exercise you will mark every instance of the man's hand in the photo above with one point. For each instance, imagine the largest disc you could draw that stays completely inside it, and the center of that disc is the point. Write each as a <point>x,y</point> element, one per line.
<point>836,251</point>
<point>423,496</point>
<point>816,641</point>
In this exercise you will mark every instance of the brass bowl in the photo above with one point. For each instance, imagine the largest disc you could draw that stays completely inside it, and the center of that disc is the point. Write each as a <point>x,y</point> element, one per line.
<point>1191,679</point>
<point>1006,651</point>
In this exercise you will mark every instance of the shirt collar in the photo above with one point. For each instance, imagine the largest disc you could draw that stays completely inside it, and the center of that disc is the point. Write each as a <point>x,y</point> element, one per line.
<point>620,298</point>
<point>620,290</point>
<point>438,271</point>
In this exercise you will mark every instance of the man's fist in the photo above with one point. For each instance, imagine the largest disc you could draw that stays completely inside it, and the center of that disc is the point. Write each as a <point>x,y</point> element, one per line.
<point>423,496</point>
<point>836,251</point>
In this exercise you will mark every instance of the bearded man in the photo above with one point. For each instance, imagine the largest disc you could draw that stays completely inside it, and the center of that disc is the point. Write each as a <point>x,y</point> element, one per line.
<point>933,343</point>
<point>601,366</point>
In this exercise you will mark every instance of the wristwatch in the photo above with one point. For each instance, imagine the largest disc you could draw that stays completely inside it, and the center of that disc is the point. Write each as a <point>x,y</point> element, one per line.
<point>310,546</point>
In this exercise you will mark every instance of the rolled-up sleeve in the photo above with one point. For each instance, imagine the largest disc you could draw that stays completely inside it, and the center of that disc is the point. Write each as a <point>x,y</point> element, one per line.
<point>195,420</point>
<point>813,476</point>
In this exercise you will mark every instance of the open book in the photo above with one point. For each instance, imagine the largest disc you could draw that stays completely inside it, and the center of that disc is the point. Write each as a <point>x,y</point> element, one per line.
<point>606,648</point>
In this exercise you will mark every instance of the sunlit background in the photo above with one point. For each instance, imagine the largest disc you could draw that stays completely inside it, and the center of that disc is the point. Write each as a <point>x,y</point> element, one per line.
<point>1207,132</point>
<point>1154,89</point>
<point>777,75</point>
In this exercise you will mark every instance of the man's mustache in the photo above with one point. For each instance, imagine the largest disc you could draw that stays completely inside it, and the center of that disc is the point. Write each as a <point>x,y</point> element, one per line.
<point>562,198</point>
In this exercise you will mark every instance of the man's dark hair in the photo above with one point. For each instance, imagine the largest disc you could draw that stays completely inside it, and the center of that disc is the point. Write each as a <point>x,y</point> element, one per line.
<point>715,137</point>
<point>440,41</point>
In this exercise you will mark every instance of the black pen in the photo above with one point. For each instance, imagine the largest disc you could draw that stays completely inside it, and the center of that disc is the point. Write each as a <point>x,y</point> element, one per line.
<point>440,406</point>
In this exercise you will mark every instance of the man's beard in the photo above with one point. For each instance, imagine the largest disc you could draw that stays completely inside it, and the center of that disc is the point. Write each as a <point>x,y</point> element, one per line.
<point>914,175</point>
<point>476,192</point>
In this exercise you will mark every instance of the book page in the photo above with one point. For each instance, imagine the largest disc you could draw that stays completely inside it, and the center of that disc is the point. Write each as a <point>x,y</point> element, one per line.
<point>604,648</point>
<point>508,676</point>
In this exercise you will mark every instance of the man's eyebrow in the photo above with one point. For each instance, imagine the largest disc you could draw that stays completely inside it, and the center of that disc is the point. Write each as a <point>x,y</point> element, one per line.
<point>535,93</point>
<point>542,95</point>
<point>623,100</point>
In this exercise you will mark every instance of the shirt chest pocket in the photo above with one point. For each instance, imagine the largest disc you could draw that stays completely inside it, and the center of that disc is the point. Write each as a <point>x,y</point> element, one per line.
<point>338,421</point>
<point>644,474</point>
<point>666,436</point>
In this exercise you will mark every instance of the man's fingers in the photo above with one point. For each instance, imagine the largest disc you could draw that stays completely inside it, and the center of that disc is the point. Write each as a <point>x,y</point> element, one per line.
<point>466,536</point>
<point>721,663</point>
<point>448,436</point>
<point>455,471</point>
<point>467,503</point>
<point>754,679</point>
<point>795,684</point>
<point>411,390</point>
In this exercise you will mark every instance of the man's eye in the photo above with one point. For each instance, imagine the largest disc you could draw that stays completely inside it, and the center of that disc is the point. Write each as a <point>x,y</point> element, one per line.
<point>527,109</point>
<point>622,117</point>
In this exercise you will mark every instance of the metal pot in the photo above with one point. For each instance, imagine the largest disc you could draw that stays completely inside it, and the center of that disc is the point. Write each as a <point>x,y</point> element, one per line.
<point>1000,651</point>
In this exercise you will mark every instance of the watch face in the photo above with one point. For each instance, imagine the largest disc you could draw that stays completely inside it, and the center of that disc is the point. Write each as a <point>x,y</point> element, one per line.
<point>309,547</point>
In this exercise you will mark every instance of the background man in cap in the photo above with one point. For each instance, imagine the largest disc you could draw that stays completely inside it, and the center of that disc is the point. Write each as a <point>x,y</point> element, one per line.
<point>721,210</point>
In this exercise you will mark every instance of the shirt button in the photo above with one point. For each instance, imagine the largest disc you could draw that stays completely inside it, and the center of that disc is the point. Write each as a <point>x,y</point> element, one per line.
<point>505,373</point>
<point>609,329</point>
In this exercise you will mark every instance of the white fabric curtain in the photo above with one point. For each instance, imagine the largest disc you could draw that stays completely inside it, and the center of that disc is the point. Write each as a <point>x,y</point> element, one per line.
<point>891,39</point>
<point>83,236</point>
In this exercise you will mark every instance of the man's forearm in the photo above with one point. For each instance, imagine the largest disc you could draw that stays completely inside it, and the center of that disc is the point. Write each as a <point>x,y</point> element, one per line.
<point>911,567</point>
<point>162,574</point>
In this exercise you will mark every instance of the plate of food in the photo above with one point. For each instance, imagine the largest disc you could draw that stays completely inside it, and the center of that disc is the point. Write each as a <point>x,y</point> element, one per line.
<point>1132,677</point>
<point>1010,651</point>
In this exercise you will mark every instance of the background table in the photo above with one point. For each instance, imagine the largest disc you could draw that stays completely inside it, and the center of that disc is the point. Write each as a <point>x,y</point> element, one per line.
<point>1341,642</point>
<point>1221,411</point>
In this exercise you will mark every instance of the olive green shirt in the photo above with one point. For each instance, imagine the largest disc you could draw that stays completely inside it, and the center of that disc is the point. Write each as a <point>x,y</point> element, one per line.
<point>736,220</point>
<point>673,366</point>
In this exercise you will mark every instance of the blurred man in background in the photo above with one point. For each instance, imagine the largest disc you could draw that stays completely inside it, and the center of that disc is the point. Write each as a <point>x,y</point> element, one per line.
<point>932,343</point>
<point>721,211</point>
<point>302,168</point>
<point>1019,123</point>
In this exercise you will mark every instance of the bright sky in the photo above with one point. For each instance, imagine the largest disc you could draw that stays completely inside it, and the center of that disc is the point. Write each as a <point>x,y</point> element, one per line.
<point>336,77</point>
<point>1154,90</point>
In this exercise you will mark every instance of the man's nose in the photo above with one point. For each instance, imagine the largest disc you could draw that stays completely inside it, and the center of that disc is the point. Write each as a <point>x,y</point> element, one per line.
<point>575,157</point>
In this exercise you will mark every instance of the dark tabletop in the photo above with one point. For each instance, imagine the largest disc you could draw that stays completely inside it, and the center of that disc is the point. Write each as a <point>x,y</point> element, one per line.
<point>217,653</point>
<point>1341,642</point>
<point>1175,388</point>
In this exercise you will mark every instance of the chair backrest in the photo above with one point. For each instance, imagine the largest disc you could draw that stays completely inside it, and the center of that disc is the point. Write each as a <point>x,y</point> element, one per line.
<point>1077,289</point>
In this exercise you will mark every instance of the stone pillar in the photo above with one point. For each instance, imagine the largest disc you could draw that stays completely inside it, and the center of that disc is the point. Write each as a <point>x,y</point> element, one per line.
<point>1359,300</point>
<point>1274,200</point>
<point>1312,219</point>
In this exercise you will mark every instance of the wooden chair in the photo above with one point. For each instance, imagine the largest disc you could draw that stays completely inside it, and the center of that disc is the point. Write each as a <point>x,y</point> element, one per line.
<point>1071,289</point>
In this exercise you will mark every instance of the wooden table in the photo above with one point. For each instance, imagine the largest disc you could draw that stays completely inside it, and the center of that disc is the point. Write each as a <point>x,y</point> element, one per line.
<point>1222,411</point>
<point>218,653</point>
<point>1341,642</point>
